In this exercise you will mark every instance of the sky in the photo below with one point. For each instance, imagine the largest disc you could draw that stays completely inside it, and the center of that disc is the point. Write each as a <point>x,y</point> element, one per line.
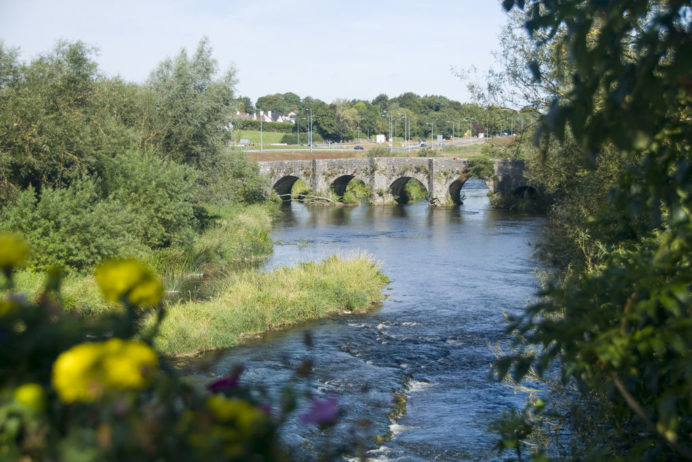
<point>324,49</point>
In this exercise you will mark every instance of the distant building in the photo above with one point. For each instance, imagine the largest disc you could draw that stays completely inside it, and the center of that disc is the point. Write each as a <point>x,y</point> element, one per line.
<point>380,139</point>
<point>267,117</point>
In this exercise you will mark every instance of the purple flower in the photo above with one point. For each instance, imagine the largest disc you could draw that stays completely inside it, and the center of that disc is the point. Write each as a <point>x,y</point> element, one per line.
<point>266,408</point>
<point>224,383</point>
<point>322,412</point>
<point>229,382</point>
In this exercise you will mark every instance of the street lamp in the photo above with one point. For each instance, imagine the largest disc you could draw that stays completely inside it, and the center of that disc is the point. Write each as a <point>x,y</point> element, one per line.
<point>310,130</point>
<point>406,130</point>
<point>452,122</point>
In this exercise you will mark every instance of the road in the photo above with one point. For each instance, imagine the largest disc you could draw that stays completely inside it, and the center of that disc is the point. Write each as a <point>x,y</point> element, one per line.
<point>351,148</point>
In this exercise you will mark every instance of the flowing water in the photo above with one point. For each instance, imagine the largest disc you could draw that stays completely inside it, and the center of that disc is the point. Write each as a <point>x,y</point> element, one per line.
<point>454,273</point>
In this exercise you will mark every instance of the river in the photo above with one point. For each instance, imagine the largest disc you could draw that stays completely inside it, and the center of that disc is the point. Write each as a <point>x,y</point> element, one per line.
<point>454,273</point>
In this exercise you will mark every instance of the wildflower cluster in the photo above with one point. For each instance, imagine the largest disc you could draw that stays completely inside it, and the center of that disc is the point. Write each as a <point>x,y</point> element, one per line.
<point>72,388</point>
<point>89,370</point>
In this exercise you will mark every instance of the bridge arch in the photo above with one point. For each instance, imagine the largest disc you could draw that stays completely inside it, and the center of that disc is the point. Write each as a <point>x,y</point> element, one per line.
<point>525,192</point>
<point>455,189</point>
<point>340,184</point>
<point>398,189</point>
<point>284,186</point>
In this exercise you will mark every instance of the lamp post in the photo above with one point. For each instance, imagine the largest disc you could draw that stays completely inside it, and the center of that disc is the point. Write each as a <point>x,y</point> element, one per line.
<point>310,130</point>
<point>261,117</point>
<point>452,122</point>
<point>406,129</point>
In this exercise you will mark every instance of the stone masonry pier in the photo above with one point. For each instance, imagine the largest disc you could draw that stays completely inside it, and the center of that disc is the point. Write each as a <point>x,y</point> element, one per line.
<point>387,176</point>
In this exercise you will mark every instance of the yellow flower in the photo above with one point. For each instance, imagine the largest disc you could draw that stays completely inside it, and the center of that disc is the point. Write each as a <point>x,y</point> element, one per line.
<point>242,422</point>
<point>31,395</point>
<point>87,371</point>
<point>13,251</point>
<point>243,413</point>
<point>129,277</point>
<point>7,306</point>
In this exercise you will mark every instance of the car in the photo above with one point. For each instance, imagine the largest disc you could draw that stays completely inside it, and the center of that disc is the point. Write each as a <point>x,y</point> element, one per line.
<point>423,145</point>
<point>359,148</point>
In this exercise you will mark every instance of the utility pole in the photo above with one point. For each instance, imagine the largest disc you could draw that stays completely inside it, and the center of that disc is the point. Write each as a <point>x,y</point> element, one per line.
<point>310,132</point>
<point>261,117</point>
<point>406,130</point>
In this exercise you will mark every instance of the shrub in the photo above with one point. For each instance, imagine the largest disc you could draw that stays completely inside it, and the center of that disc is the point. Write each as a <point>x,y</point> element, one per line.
<point>234,179</point>
<point>290,138</point>
<point>427,152</point>
<point>379,151</point>
<point>481,168</point>
<point>159,193</point>
<point>73,227</point>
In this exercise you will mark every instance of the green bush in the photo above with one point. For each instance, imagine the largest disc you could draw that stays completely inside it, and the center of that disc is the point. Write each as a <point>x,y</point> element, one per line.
<point>379,150</point>
<point>281,127</point>
<point>481,168</point>
<point>290,138</point>
<point>234,179</point>
<point>73,227</point>
<point>428,152</point>
<point>158,192</point>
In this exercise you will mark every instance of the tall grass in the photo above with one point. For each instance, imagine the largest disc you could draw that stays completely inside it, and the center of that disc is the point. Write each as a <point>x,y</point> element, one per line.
<point>79,292</point>
<point>254,302</point>
<point>238,239</point>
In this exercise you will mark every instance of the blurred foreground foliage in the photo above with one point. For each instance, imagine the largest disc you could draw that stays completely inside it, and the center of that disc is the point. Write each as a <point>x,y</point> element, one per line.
<point>608,346</point>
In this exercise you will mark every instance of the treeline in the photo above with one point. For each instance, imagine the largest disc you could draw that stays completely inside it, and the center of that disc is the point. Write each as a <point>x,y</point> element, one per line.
<point>93,167</point>
<point>350,119</point>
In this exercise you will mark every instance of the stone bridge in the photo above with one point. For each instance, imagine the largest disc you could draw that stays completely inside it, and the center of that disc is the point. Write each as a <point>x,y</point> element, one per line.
<point>387,176</point>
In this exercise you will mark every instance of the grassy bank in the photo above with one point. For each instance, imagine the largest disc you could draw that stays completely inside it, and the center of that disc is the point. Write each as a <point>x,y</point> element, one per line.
<point>238,238</point>
<point>254,302</point>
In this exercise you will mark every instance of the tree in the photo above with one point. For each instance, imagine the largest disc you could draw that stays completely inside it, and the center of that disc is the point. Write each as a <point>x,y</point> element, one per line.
<point>53,126</point>
<point>381,101</point>
<point>244,105</point>
<point>619,329</point>
<point>323,118</point>
<point>188,108</point>
<point>346,119</point>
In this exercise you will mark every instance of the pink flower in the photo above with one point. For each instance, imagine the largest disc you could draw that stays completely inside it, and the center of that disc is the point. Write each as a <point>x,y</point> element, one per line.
<point>229,382</point>
<point>224,383</point>
<point>322,412</point>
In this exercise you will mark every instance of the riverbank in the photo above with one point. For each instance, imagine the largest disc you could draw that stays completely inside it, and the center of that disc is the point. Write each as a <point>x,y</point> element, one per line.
<point>253,303</point>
